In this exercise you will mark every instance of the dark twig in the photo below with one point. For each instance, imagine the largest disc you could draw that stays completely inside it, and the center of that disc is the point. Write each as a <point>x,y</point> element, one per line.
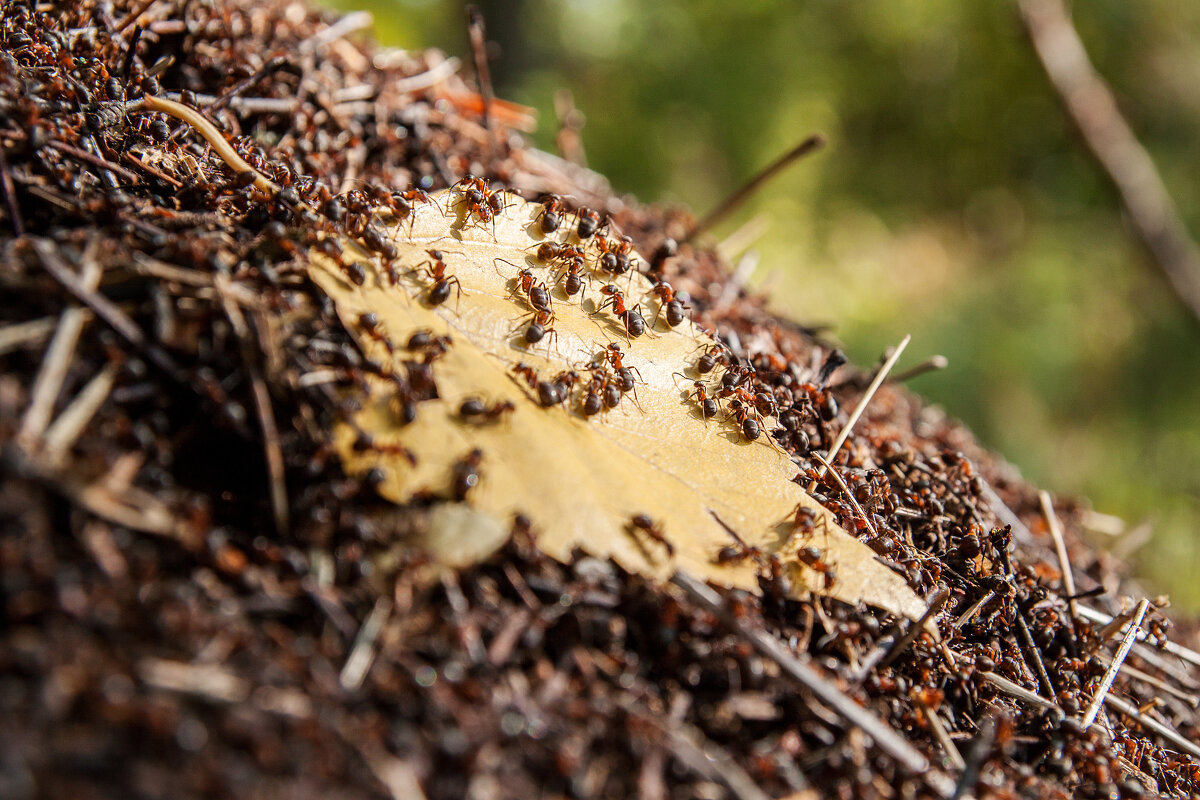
<point>885,737</point>
<point>96,161</point>
<point>975,758</point>
<point>1033,654</point>
<point>935,605</point>
<point>731,203</point>
<point>1110,141</point>
<point>10,196</point>
<point>477,31</point>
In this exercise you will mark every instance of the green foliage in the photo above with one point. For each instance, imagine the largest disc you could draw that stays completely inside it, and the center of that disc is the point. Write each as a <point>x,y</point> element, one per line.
<point>953,202</point>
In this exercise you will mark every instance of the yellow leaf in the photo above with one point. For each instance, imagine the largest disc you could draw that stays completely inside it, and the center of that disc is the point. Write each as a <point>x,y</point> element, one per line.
<point>579,479</point>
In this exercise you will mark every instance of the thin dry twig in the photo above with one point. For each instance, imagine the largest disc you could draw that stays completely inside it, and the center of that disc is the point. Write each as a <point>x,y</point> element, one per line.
<point>358,663</point>
<point>1111,673</point>
<point>1060,548</point>
<point>1111,142</point>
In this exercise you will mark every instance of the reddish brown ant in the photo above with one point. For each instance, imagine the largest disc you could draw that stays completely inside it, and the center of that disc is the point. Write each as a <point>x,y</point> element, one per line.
<point>553,251</point>
<point>370,325</point>
<point>434,347</point>
<point>549,393</point>
<point>435,269</point>
<point>486,204</point>
<point>643,523</point>
<point>614,256</point>
<point>811,558</point>
<point>589,223</point>
<point>708,404</point>
<point>475,410</point>
<point>631,318</point>
<point>550,216</point>
<point>714,354</point>
<point>669,302</point>
<point>572,277</point>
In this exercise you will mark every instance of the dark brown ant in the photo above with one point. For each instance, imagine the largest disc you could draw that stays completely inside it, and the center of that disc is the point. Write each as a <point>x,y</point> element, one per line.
<point>550,216</point>
<point>364,442</point>
<point>548,392</point>
<point>631,318</point>
<point>713,355</point>
<point>740,550</point>
<point>435,269</point>
<point>434,347</point>
<point>643,523</point>
<point>553,251</point>
<point>401,204</point>
<point>744,417</point>
<point>589,223</point>
<point>593,400</point>
<point>475,410</point>
<point>708,404</point>
<point>486,204</point>
<point>572,277</point>
<point>669,302</point>
<point>614,256</point>
<point>370,325</point>
<point>811,557</point>
<point>465,474</point>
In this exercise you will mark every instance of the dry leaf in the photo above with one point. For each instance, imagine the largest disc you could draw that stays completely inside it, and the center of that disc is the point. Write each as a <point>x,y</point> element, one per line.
<point>580,480</point>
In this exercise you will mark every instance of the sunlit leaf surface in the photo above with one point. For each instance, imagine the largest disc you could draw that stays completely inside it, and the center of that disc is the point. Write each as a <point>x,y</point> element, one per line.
<point>581,480</point>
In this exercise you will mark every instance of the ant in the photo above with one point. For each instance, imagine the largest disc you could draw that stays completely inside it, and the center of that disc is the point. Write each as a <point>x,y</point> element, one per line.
<point>465,474</point>
<point>539,300</point>
<point>433,346</point>
<point>572,277</point>
<point>740,550</point>
<point>745,417</point>
<point>709,405</point>
<point>486,204</point>
<point>475,410</point>
<point>668,301</point>
<point>435,268</point>
<point>553,251</point>
<point>614,256</point>
<point>597,394</point>
<point>370,325</point>
<point>401,204</point>
<point>714,354</point>
<point>364,442</point>
<point>643,523</point>
<point>551,214</point>
<point>811,557</point>
<point>622,375</point>
<point>549,393</point>
<point>589,223</point>
<point>631,318</point>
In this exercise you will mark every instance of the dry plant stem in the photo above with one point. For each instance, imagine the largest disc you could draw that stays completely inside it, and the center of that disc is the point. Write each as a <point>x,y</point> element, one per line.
<point>1174,648</point>
<point>887,739</point>
<point>476,31</point>
<point>970,613</point>
<point>67,428</point>
<point>210,134</point>
<point>431,77</point>
<point>939,732</point>
<point>1006,515</point>
<point>363,652</point>
<point>975,758</point>
<point>10,196</point>
<point>1060,547</point>
<point>735,200</point>
<point>1150,680</point>
<point>55,363</point>
<point>846,490</point>
<point>892,653</point>
<point>931,364</point>
<point>1091,105</point>
<point>1115,666</point>
<point>1166,732</point>
<point>94,160</point>
<point>17,335</point>
<point>1030,647</point>
<point>880,377</point>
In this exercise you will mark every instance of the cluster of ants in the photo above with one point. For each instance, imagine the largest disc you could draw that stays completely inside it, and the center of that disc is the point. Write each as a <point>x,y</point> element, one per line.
<point>604,381</point>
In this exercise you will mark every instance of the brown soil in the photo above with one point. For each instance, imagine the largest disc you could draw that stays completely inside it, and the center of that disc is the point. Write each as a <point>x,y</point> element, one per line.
<point>185,571</point>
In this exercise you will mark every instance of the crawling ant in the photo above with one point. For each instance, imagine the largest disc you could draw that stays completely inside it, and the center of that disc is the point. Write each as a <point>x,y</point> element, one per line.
<point>643,523</point>
<point>486,204</point>
<point>589,223</point>
<point>534,290</point>
<point>668,301</point>
<point>550,216</point>
<point>434,347</point>
<point>811,557</point>
<point>475,410</point>
<point>553,251</point>
<point>465,474</point>
<point>614,256</point>
<point>364,442</point>
<point>370,325</point>
<point>572,277</point>
<point>549,393</point>
<point>708,404</point>
<point>714,354</point>
<point>631,318</point>
<point>744,417</point>
<point>435,269</point>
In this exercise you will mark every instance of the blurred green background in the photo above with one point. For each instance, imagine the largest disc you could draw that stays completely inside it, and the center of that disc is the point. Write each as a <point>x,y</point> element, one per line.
<point>953,202</point>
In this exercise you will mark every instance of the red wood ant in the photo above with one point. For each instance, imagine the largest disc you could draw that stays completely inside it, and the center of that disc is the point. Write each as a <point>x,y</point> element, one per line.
<point>714,354</point>
<point>811,557</point>
<point>475,410</point>
<point>550,216</point>
<point>572,276</point>
<point>434,347</point>
<point>669,302</point>
<point>708,404</point>
<point>486,204</point>
<point>369,322</point>
<point>589,223</point>
<point>643,523</point>
<point>435,269</point>
<point>549,393</point>
<point>614,256</point>
<point>631,318</point>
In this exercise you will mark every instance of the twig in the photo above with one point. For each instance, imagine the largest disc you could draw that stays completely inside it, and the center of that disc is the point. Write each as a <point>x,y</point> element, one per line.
<point>103,308</point>
<point>846,491</point>
<point>208,131</point>
<point>1005,514</point>
<point>1187,654</point>
<point>1166,732</point>
<point>880,377</point>
<point>10,196</point>
<point>345,26</point>
<point>431,77</point>
<point>1150,680</point>
<point>885,737</point>
<point>975,758</point>
<point>1115,666</point>
<point>232,92</point>
<point>939,732</point>
<point>1110,141</point>
<point>70,423</point>
<point>56,362</point>
<point>363,652</point>
<point>931,364</point>
<point>1060,547</point>
<point>133,15</point>
<point>1030,647</point>
<point>20,334</point>
<point>731,203</point>
<point>95,160</point>
<point>476,30</point>
<point>893,652</point>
